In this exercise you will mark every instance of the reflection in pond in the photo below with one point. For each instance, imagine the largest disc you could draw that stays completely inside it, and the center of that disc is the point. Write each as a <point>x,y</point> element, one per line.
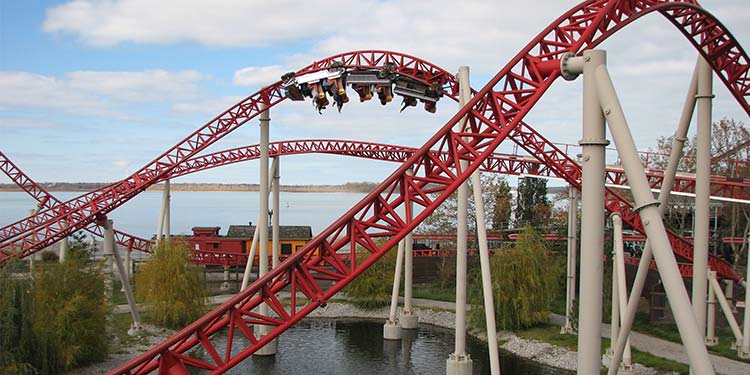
<point>323,346</point>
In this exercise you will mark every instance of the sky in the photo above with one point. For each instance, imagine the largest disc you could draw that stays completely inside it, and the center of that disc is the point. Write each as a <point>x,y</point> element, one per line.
<point>94,90</point>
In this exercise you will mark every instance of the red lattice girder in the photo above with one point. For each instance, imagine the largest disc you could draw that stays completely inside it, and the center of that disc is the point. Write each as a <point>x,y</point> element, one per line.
<point>47,201</point>
<point>374,225</point>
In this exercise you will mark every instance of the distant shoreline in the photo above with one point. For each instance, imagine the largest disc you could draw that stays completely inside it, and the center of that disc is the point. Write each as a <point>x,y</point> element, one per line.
<point>349,187</point>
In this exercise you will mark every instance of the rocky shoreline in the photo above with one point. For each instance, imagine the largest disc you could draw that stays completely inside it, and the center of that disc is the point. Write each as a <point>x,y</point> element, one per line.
<point>534,350</point>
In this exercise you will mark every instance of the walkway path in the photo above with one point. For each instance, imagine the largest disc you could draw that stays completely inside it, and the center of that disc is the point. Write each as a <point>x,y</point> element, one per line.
<point>655,346</point>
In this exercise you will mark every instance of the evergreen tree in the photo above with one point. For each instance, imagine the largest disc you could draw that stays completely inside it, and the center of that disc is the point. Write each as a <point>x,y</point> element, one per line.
<point>532,206</point>
<point>503,205</point>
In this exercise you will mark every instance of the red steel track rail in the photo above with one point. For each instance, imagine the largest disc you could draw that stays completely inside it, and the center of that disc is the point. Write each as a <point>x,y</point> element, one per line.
<point>384,216</point>
<point>497,163</point>
<point>47,200</point>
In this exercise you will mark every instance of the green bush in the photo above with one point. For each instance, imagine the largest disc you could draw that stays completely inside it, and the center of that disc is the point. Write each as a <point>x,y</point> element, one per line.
<point>372,289</point>
<point>172,285</point>
<point>70,309</point>
<point>524,282</point>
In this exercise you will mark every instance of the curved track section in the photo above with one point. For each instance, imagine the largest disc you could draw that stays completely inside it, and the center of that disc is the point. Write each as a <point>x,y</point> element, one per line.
<point>47,227</point>
<point>383,217</point>
<point>47,201</point>
<point>497,163</point>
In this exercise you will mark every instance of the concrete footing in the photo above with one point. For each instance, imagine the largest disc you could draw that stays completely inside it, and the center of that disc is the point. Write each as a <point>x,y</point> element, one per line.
<point>627,370</point>
<point>567,329</point>
<point>135,329</point>
<point>743,354</point>
<point>711,341</point>
<point>458,364</point>
<point>269,349</point>
<point>391,331</point>
<point>408,320</point>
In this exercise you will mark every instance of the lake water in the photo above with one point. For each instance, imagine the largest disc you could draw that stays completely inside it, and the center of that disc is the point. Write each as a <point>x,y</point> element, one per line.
<point>139,216</point>
<point>316,346</point>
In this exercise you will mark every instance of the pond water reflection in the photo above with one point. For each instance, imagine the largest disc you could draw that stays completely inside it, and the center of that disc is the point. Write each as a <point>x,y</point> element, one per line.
<point>323,346</point>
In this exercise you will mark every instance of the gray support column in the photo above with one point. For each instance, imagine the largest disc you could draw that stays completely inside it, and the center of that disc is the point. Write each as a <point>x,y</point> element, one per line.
<point>459,362</point>
<point>391,329</point>
<point>484,259</point>
<point>711,339</point>
<point>678,141</point>
<point>729,293</point>
<point>111,248</point>
<point>716,288</point>
<point>108,254</point>
<point>618,264</point>
<point>647,208</point>
<point>64,244</point>
<point>163,212</point>
<point>128,263</point>
<point>275,240</point>
<point>702,222</point>
<point>593,143</point>
<point>570,291</point>
<point>254,244</point>
<point>614,320</point>
<point>32,257</point>
<point>167,212</point>
<point>262,330</point>
<point>407,319</point>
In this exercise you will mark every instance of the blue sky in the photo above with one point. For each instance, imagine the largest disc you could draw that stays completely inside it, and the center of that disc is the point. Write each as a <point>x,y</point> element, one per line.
<point>93,90</point>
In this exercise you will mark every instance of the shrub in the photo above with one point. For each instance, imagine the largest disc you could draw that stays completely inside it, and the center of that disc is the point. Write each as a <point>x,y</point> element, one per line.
<point>70,310</point>
<point>524,282</point>
<point>172,285</point>
<point>372,289</point>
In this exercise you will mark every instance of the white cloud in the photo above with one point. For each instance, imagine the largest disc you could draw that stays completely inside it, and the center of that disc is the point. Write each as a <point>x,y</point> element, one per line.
<point>29,90</point>
<point>93,92</point>
<point>147,86</point>
<point>210,106</point>
<point>26,123</point>
<point>258,76</point>
<point>216,23</point>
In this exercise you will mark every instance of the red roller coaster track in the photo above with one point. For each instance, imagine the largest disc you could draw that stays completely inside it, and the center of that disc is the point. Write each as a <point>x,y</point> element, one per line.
<point>493,114</point>
<point>497,163</point>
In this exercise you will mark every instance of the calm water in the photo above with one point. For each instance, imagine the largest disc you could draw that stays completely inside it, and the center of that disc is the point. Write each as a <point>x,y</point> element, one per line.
<point>139,215</point>
<point>357,347</point>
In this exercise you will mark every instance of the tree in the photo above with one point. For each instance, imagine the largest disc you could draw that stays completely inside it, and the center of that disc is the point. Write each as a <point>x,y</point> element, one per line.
<point>495,199</point>
<point>503,205</point>
<point>532,205</point>
<point>730,153</point>
<point>18,343</point>
<point>524,282</point>
<point>70,307</point>
<point>372,289</point>
<point>172,285</point>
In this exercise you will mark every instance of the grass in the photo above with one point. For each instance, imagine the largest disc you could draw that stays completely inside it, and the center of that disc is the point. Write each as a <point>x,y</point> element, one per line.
<point>669,332</point>
<point>434,292</point>
<point>551,334</point>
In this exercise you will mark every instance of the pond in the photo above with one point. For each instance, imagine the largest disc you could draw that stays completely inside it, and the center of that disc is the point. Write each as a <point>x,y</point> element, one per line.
<point>324,346</point>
